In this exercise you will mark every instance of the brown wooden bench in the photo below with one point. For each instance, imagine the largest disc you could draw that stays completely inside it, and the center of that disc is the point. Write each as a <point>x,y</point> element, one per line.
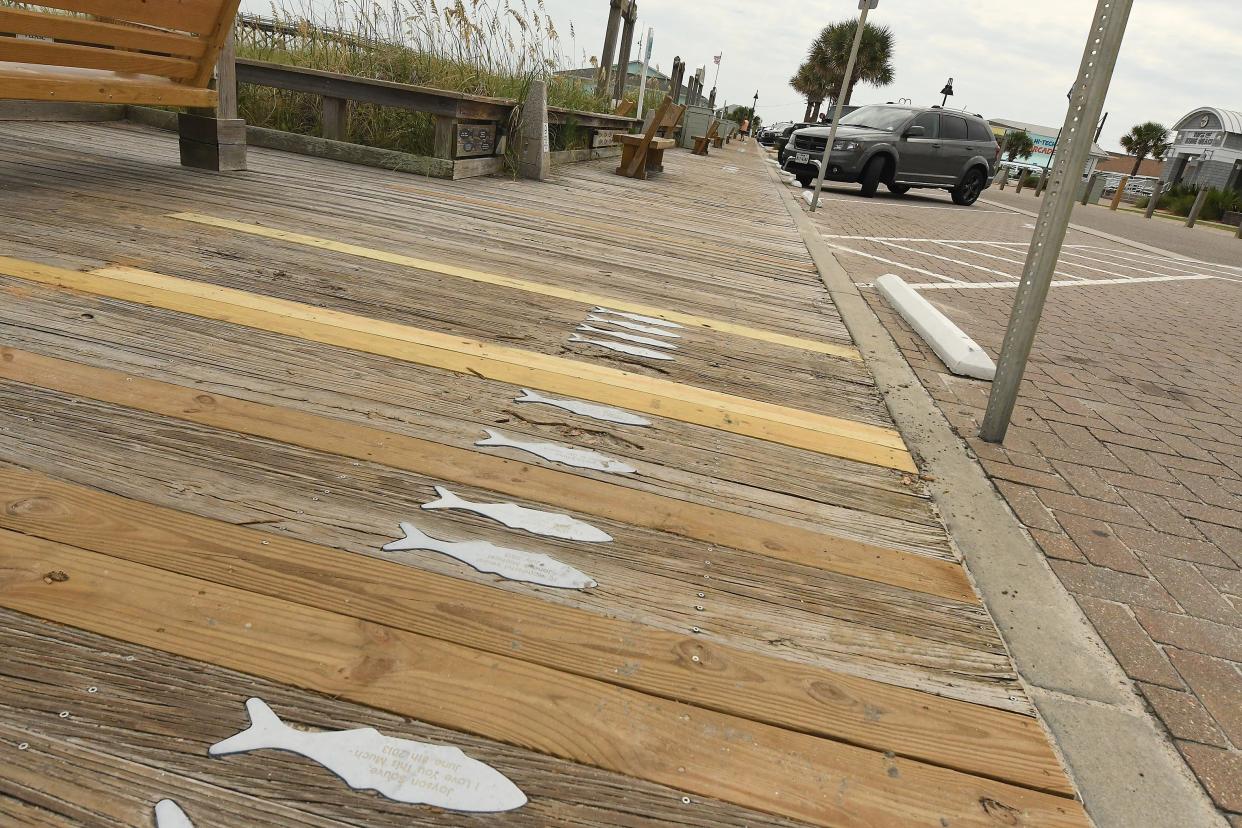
<point>702,142</point>
<point>115,51</point>
<point>644,153</point>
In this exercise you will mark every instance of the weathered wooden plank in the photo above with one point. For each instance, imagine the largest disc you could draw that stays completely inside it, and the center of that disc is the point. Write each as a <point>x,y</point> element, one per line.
<point>20,82</point>
<point>81,30</point>
<point>706,753</point>
<point>776,609</point>
<point>914,572</point>
<point>816,432</point>
<point>688,668</point>
<point>144,735</point>
<point>91,57</point>
<point>585,298</point>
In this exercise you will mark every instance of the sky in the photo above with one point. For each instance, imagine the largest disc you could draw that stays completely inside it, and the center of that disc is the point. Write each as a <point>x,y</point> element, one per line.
<point>1008,59</point>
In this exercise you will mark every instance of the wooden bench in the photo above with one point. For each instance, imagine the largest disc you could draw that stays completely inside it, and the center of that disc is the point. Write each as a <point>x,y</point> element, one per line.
<point>117,51</point>
<point>702,142</point>
<point>644,153</point>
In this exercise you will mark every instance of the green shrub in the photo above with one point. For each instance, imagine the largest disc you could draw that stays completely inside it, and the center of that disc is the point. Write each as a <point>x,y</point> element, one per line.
<point>1219,202</point>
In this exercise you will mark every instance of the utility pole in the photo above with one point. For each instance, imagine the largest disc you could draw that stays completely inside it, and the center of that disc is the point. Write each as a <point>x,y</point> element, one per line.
<point>1108,28</point>
<point>866,6</point>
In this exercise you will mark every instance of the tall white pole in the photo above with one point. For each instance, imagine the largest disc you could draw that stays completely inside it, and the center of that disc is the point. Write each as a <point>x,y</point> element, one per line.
<point>1108,27</point>
<point>865,5</point>
<point>642,76</point>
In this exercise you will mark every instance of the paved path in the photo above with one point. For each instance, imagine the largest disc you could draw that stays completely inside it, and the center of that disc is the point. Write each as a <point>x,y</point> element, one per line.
<point>1125,456</point>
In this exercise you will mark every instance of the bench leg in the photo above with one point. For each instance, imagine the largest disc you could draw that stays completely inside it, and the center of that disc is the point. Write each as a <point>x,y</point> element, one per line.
<point>217,144</point>
<point>627,155</point>
<point>655,160</point>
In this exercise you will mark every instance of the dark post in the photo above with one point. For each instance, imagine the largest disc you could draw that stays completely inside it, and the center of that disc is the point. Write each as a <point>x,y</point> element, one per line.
<point>674,80</point>
<point>610,45</point>
<point>627,42</point>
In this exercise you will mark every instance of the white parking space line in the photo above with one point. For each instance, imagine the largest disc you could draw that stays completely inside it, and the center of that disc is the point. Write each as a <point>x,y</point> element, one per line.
<point>1020,262</point>
<point>1161,267</point>
<point>1062,283</point>
<point>889,202</point>
<point>993,271</point>
<point>1196,265</point>
<point>844,249</point>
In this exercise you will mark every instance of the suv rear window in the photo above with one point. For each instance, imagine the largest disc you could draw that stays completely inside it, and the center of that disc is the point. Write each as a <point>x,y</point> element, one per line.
<point>952,128</point>
<point>979,131</point>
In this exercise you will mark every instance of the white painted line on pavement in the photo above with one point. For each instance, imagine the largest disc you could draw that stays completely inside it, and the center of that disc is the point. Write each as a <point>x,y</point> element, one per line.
<point>960,354</point>
<point>911,239</point>
<point>1064,283</point>
<point>889,202</point>
<point>893,263</point>
<point>947,259</point>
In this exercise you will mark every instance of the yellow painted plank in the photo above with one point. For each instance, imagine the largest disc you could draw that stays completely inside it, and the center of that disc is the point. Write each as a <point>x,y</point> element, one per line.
<point>569,294</point>
<point>827,435</point>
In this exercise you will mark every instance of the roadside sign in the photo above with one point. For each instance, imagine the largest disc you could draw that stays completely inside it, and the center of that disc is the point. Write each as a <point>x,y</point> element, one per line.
<point>869,4</point>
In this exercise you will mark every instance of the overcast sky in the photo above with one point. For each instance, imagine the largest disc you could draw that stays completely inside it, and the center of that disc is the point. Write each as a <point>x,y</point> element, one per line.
<point>1008,59</point>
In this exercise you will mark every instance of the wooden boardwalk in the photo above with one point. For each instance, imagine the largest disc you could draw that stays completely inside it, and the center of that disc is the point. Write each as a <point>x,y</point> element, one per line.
<point>221,393</point>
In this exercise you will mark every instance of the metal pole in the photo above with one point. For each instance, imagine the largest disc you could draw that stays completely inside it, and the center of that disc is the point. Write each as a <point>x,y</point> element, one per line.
<point>1108,28</point>
<point>1195,210</point>
<point>642,78</point>
<point>836,117</point>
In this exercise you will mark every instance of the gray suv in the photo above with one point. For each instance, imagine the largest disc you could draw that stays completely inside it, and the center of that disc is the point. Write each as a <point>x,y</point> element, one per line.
<point>901,147</point>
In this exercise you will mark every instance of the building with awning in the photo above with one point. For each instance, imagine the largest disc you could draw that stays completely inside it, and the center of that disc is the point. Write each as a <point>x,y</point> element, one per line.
<point>1045,139</point>
<point>1206,150</point>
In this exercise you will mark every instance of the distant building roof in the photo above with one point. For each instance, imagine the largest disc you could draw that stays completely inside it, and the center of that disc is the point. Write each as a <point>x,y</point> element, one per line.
<point>1230,120</point>
<point>1035,129</point>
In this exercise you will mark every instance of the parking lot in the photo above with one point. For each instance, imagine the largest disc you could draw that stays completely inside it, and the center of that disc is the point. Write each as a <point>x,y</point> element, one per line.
<point>1124,460</point>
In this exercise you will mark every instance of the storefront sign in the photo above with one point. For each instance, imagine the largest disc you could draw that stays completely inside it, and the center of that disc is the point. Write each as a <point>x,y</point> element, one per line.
<point>1199,137</point>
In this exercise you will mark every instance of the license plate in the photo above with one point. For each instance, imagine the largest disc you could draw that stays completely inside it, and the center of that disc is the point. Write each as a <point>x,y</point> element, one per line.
<point>803,158</point>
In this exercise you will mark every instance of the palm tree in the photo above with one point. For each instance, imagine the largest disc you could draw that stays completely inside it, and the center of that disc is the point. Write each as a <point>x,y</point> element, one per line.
<point>1146,139</point>
<point>1017,144</point>
<point>812,85</point>
<point>830,52</point>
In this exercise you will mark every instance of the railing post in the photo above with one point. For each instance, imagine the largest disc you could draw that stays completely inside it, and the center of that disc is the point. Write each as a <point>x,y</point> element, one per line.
<point>534,158</point>
<point>444,144</point>
<point>1121,190</point>
<point>1154,201</point>
<point>334,118</point>
<point>1197,208</point>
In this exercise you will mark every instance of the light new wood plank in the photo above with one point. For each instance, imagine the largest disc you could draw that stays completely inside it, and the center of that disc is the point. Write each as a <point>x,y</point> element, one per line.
<point>144,735</point>
<point>780,424</point>
<point>91,57</point>
<point>700,751</point>
<point>54,83</point>
<point>592,299</point>
<point>530,482</point>
<point>967,737</point>
<point>81,30</point>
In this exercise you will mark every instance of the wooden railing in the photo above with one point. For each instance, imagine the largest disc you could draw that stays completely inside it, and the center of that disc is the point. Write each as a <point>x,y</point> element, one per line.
<point>450,110</point>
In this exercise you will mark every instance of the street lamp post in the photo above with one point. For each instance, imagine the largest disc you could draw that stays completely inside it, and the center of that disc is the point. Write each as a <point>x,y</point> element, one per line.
<point>865,6</point>
<point>947,91</point>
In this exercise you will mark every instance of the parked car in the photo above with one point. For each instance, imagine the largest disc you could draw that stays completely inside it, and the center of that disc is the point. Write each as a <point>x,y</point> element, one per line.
<point>781,141</point>
<point>902,147</point>
<point>767,135</point>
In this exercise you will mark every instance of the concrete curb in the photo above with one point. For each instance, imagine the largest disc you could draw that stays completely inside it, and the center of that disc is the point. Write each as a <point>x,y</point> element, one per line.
<point>961,354</point>
<point>1126,769</point>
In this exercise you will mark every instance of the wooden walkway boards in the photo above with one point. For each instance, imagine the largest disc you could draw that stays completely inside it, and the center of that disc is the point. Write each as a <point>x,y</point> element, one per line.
<point>220,395</point>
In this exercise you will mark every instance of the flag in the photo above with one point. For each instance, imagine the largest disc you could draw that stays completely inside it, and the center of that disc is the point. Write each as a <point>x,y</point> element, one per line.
<point>716,59</point>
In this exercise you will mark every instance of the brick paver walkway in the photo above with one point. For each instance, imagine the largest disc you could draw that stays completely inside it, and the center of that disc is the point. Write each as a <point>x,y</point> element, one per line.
<point>1125,456</point>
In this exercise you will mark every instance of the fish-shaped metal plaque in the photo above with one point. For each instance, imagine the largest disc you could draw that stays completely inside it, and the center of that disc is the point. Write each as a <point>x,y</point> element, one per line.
<point>514,564</point>
<point>168,814</point>
<point>598,412</point>
<point>535,521</point>
<point>570,456</point>
<point>400,769</point>
<point>628,337</point>
<point>638,317</point>
<point>635,350</point>
<point>634,326</point>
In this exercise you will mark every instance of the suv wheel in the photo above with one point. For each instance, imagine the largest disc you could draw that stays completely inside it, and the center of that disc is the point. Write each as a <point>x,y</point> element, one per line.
<point>899,189</point>
<point>967,192</point>
<point>871,175</point>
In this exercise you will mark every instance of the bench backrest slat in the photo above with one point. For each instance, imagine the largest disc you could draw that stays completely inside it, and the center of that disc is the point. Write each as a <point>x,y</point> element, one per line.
<point>194,16</point>
<point>80,30</point>
<point>174,39</point>
<point>640,153</point>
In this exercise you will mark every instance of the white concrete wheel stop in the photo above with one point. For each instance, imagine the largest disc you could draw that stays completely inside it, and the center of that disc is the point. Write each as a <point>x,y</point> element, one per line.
<point>960,354</point>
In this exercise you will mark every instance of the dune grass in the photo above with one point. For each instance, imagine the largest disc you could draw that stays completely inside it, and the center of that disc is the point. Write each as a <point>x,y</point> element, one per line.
<point>477,47</point>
